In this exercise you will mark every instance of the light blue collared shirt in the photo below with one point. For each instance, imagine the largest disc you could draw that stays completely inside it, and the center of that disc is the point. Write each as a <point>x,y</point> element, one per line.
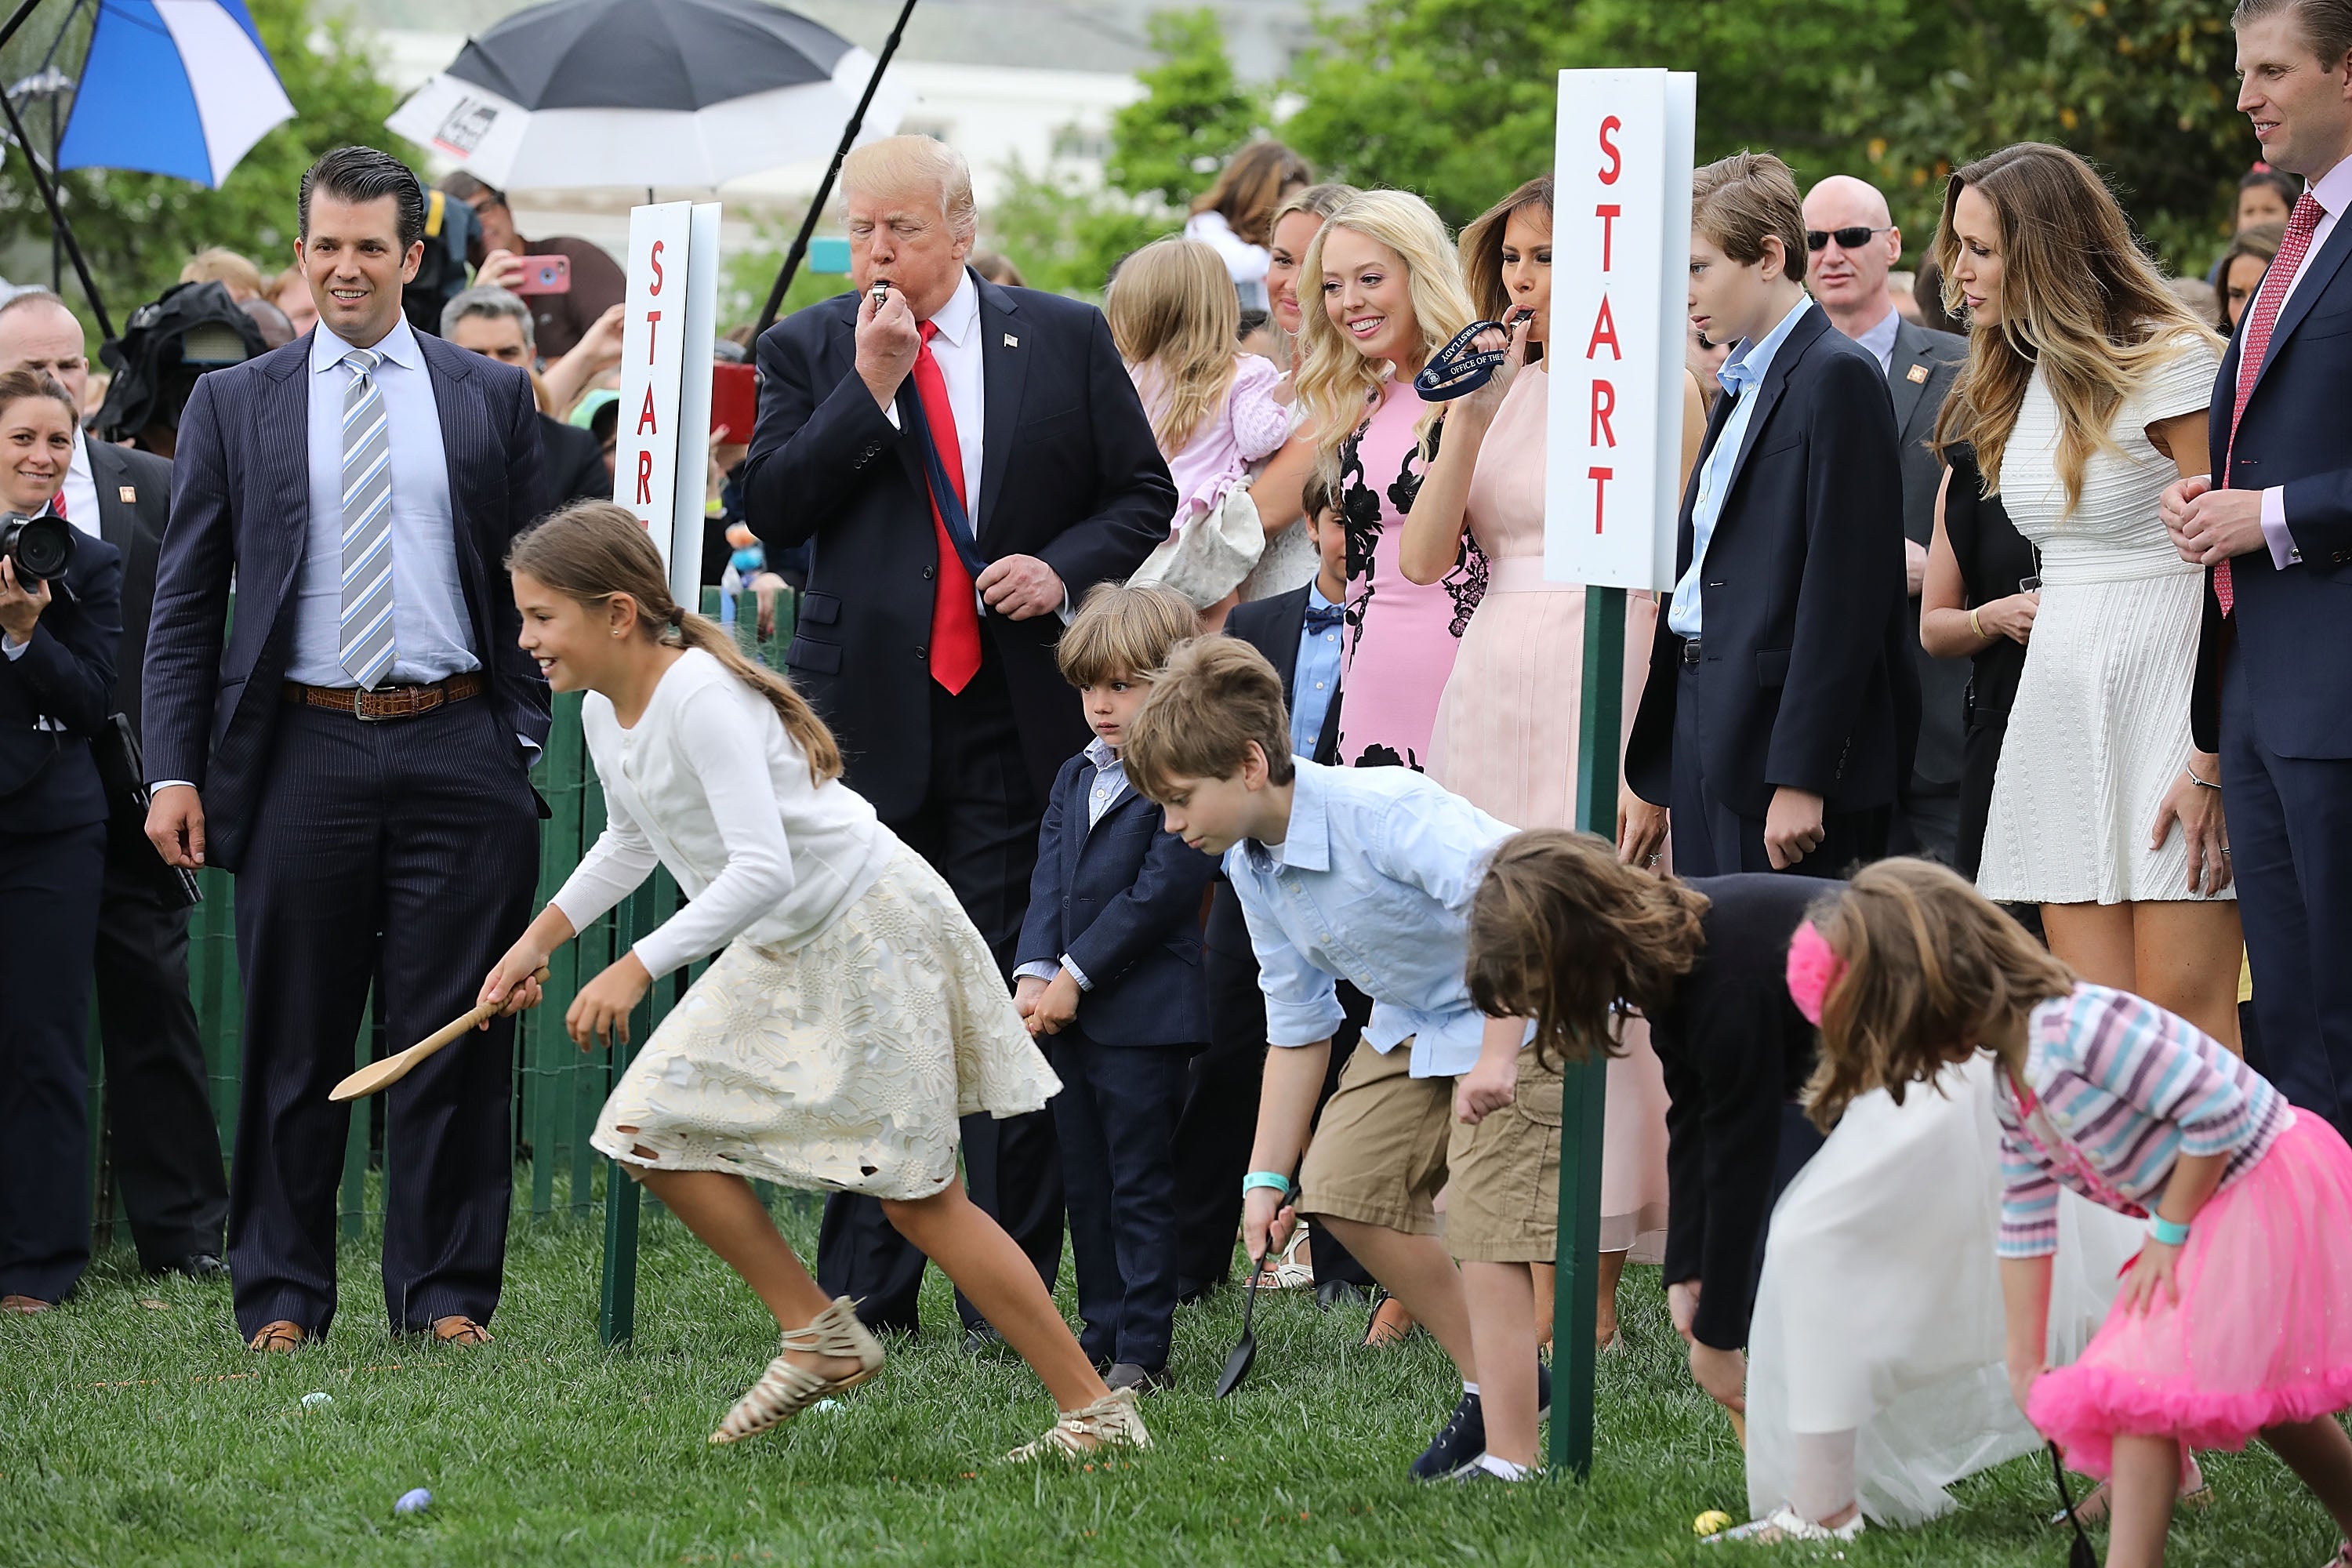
<point>1741,375</point>
<point>1315,678</point>
<point>1373,883</point>
<point>433,636</point>
<point>1880,340</point>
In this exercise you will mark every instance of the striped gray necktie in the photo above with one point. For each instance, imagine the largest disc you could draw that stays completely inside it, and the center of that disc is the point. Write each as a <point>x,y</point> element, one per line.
<point>365,636</point>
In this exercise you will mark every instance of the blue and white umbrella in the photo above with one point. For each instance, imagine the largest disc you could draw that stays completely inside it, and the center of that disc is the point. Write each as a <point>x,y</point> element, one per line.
<point>182,88</point>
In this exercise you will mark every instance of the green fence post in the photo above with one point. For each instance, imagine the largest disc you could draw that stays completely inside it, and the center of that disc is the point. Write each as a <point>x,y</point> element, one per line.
<point>1584,1090</point>
<point>617,1314</point>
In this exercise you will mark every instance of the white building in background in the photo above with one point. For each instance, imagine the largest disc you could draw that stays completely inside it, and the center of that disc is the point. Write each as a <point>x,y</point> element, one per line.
<point>1035,81</point>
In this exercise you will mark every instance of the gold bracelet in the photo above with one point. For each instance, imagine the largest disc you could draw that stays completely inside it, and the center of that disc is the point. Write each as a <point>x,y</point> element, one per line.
<point>1973,625</point>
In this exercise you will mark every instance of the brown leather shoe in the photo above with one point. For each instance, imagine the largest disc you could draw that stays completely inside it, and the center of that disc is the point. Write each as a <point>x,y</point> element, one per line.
<point>281,1336</point>
<point>459,1330</point>
<point>24,1306</point>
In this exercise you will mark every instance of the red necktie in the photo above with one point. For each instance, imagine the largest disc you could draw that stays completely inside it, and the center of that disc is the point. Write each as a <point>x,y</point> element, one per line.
<point>2301,225</point>
<point>57,506</point>
<point>955,613</point>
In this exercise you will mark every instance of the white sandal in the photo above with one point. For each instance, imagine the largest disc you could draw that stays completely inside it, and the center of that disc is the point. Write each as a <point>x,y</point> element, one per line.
<point>785,1389</point>
<point>1785,1523</point>
<point>1112,1421</point>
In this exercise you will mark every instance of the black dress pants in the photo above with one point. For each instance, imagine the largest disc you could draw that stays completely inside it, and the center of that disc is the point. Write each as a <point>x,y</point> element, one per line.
<point>404,851</point>
<point>1219,1121</point>
<point>165,1150</point>
<point>1712,840</point>
<point>1115,1118</point>
<point>978,828</point>
<point>48,927</point>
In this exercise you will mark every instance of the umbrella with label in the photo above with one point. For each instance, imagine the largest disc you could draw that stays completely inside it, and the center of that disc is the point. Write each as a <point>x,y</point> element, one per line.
<point>622,93</point>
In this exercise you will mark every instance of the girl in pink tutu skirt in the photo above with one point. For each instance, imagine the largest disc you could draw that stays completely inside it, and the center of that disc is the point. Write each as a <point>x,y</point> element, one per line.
<point>2235,1320</point>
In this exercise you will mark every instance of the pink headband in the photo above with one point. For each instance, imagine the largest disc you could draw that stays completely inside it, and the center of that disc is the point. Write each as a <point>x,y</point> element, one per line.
<point>1812,970</point>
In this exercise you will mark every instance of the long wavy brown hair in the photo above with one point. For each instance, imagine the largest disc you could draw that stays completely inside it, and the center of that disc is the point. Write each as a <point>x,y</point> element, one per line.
<point>1930,965</point>
<point>2079,297</point>
<point>1561,932</point>
<point>1481,248</point>
<point>593,552</point>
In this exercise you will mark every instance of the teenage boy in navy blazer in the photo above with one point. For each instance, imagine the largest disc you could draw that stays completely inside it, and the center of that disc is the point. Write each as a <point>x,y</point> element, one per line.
<point>1109,980</point>
<point>1298,632</point>
<point>1782,708</point>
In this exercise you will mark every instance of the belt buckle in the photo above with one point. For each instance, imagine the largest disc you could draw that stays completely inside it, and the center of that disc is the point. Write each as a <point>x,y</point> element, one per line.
<point>361,697</point>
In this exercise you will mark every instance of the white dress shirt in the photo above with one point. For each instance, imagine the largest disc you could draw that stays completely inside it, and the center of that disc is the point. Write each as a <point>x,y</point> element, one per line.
<point>2332,191</point>
<point>956,346</point>
<point>81,491</point>
<point>708,784</point>
<point>432,634</point>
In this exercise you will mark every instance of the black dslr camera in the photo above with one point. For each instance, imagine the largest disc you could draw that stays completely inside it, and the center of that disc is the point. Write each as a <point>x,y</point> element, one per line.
<point>40,547</point>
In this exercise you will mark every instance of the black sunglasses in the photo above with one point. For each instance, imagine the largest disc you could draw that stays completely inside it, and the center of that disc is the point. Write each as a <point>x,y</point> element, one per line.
<point>1847,239</point>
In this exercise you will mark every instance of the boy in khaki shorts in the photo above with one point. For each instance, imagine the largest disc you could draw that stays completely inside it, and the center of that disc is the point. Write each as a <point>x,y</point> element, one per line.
<point>1367,875</point>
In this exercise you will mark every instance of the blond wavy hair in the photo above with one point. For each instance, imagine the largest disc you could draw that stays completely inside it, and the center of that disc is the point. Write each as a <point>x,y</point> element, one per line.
<point>2079,297</point>
<point>1336,383</point>
<point>1176,319</point>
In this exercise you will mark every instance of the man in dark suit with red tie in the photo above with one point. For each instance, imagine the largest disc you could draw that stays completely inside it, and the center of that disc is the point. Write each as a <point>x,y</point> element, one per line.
<point>969,460</point>
<point>2273,523</point>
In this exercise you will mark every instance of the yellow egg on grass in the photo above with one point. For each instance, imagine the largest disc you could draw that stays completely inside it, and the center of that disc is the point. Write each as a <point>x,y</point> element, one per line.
<point>1712,1521</point>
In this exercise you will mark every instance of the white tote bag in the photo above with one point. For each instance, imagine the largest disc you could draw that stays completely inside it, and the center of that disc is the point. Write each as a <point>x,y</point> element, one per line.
<point>1207,558</point>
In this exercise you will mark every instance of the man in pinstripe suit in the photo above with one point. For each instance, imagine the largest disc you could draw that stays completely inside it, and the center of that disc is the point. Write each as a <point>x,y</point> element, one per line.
<point>355,746</point>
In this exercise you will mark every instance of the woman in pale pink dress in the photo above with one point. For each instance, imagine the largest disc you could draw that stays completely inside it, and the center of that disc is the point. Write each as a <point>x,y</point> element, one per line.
<point>1505,734</point>
<point>1392,296</point>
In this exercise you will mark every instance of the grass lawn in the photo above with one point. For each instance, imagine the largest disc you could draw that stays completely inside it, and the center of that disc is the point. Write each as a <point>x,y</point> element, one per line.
<point>137,1433</point>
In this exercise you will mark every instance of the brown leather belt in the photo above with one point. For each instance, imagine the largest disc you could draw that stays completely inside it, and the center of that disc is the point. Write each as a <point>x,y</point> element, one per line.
<point>384,702</point>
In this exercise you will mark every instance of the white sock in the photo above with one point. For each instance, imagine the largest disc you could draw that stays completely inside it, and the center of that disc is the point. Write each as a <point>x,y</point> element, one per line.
<point>1469,1388</point>
<point>1503,1467</point>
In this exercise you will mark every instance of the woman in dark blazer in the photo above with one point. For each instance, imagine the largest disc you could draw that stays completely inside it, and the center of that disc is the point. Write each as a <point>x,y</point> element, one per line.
<point>58,642</point>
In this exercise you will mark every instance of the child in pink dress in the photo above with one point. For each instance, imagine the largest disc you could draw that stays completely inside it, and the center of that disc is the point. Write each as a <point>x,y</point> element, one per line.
<point>1177,323</point>
<point>2235,1320</point>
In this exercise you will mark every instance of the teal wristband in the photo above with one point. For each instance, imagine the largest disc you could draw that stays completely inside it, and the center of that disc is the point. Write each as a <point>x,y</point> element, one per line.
<point>2165,1231</point>
<point>1265,1179</point>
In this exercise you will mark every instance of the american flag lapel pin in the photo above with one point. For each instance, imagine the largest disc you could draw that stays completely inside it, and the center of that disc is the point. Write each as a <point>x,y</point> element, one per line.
<point>1011,342</point>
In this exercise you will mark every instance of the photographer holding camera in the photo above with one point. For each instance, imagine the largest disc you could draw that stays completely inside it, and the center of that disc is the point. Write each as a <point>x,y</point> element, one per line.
<point>61,619</point>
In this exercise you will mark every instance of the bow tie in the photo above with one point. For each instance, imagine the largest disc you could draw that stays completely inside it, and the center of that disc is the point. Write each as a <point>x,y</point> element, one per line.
<point>1323,617</point>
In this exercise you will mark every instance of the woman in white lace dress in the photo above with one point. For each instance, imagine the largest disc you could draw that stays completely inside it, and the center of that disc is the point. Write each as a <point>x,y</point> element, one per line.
<point>854,1013</point>
<point>2085,393</point>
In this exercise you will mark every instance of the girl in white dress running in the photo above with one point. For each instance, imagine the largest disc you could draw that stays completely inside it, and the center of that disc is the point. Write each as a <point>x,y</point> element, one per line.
<point>855,1011</point>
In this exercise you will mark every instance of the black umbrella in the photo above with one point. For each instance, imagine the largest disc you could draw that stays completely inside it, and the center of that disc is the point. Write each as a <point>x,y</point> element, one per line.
<point>626,93</point>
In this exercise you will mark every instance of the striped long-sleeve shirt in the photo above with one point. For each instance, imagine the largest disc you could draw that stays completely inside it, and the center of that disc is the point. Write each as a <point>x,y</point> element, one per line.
<point>2123,1090</point>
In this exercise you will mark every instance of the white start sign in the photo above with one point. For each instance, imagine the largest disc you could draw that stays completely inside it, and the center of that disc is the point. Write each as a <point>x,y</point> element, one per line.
<point>1621,256</point>
<point>662,439</point>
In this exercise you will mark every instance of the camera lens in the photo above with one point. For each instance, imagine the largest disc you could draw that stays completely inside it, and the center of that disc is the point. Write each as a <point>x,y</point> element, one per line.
<point>43,548</point>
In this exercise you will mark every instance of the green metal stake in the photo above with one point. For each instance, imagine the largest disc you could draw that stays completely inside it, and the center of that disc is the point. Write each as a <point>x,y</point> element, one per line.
<point>617,1315</point>
<point>1584,1091</point>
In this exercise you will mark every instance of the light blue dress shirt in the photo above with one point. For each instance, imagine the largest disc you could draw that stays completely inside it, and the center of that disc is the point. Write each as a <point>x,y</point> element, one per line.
<point>1372,883</point>
<point>1741,375</point>
<point>433,636</point>
<point>1316,676</point>
<point>1110,782</point>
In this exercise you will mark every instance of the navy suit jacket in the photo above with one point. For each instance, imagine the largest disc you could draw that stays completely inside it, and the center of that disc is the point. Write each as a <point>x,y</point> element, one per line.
<point>241,509</point>
<point>1123,900</point>
<point>134,503</point>
<point>1069,474</point>
<point>1806,679</point>
<point>66,674</point>
<point>2293,627</point>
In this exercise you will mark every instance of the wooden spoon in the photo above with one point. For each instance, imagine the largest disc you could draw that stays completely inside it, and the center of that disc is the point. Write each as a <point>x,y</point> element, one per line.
<point>383,1074</point>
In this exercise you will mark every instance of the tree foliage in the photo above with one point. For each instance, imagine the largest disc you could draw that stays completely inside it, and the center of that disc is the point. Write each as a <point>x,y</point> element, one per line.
<point>1167,145</point>
<point>1455,98</point>
<point>137,230</point>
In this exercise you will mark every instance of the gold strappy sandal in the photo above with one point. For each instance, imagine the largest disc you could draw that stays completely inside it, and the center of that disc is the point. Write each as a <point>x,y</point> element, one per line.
<point>785,1390</point>
<point>1112,1421</point>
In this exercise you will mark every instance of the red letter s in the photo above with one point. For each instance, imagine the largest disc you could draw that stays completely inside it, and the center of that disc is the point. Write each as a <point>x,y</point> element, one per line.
<point>1616,164</point>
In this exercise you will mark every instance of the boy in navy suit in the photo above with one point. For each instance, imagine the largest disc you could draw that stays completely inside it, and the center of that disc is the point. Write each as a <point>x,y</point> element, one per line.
<point>1110,979</point>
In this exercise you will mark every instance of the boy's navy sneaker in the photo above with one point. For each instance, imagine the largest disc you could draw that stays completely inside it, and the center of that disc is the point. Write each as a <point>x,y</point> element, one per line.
<point>1457,1445</point>
<point>1454,1451</point>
